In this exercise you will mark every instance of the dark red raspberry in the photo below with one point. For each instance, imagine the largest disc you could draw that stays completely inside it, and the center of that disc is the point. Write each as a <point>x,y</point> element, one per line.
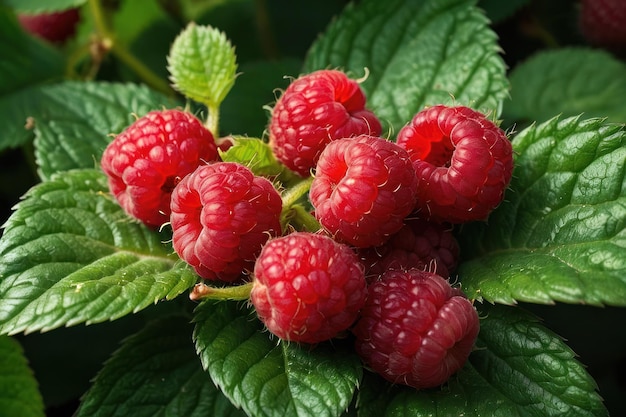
<point>307,287</point>
<point>463,162</point>
<point>145,161</point>
<point>415,329</point>
<point>315,109</point>
<point>363,189</point>
<point>603,24</point>
<point>419,244</point>
<point>56,27</point>
<point>222,215</point>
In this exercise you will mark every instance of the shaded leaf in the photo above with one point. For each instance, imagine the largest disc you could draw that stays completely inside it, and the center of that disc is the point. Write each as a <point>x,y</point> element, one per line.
<point>19,394</point>
<point>156,373</point>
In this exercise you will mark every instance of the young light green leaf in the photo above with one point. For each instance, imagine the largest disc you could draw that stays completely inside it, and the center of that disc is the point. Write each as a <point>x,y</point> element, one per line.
<point>267,377</point>
<point>75,121</point>
<point>416,53</point>
<point>203,64</point>
<point>70,255</point>
<point>560,234</point>
<point>518,368</point>
<point>19,394</point>
<point>567,81</point>
<point>156,372</point>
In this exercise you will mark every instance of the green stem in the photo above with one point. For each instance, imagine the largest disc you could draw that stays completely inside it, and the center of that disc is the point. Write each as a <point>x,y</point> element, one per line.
<point>108,42</point>
<point>212,119</point>
<point>202,291</point>
<point>293,194</point>
<point>302,219</point>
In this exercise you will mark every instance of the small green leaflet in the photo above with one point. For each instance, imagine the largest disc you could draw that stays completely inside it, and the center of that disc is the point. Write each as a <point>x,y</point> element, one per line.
<point>156,372</point>
<point>560,234</point>
<point>518,368</point>
<point>415,53</point>
<point>19,394</point>
<point>569,82</point>
<point>266,377</point>
<point>203,64</point>
<point>70,255</point>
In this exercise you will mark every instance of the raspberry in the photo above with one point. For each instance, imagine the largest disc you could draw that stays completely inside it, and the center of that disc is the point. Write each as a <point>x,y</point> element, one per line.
<point>418,244</point>
<point>603,23</point>
<point>145,161</point>
<point>463,163</point>
<point>363,189</point>
<point>222,215</point>
<point>315,109</point>
<point>415,329</point>
<point>307,287</point>
<point>55,27</point>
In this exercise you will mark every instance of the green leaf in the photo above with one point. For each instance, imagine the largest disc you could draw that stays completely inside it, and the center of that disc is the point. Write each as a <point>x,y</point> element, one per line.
<point>255,154</point>
<point>19,395</point>
<point>203,64</point>
<point>74,121</point>
<point>567,82</point>
<point>560,234</point>
<point>69,255</point>
<point>518,368</point>
<point>156,372</point>
<point>38,6</point>
<point>25,59</point>
<point>267,377</point>
<point>417,53</point>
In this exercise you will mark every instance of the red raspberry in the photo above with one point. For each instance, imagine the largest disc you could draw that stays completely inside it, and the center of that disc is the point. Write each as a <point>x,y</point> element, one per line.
<point>222,215</point>
<point>419,244</point>
<point>463,162</point>
<point>603,23</point>
<point>363,189</point>
<point>315,109</point>
<point>415,329</point>
<point>54,27</point>
<point>307,287</point>
<point>145,161</point>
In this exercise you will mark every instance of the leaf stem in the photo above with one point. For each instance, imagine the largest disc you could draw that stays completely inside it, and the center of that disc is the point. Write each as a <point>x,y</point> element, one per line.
<point>107,41</point>
<point>201,291</point>
<point>212,119</point>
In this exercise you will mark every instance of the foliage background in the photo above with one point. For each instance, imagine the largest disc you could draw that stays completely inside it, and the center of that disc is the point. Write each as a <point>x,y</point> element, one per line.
<point>272,38</point>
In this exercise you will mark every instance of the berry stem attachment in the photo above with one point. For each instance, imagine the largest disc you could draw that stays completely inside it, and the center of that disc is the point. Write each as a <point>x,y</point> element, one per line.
<point>201,291</point>
<point>293,194</point>
<point>296,214</point>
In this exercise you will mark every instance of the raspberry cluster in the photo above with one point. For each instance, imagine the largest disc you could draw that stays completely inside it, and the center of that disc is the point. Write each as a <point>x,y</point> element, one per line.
<point>374,251</point>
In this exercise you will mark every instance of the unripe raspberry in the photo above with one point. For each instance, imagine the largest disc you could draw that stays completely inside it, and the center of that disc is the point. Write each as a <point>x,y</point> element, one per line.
<point>415,329</point>
<point>146,160</point>
<point>315,109</point>
<point>307,287</point>
<point>363,189</point>
<point>222,215</point>
<point>463,162</point>
<point>419,244</point>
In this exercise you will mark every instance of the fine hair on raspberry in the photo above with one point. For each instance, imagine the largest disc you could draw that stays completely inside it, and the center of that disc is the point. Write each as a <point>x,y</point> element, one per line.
<point>415,328</point>
<point>463,161</point>
<point>146,160</point>
<point>307,287</point>
<point>363,189</point>
<point>314,110</point>
<point>221,216</point>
